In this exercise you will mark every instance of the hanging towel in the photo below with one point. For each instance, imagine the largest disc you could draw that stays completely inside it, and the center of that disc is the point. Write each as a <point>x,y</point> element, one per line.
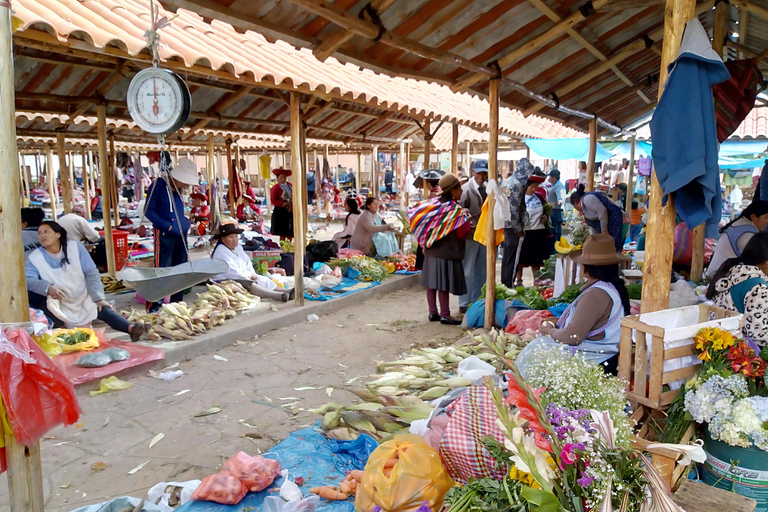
<point>684,132</point>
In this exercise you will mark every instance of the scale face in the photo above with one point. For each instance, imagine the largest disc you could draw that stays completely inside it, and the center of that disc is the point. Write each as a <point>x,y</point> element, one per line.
<point>159,101</point>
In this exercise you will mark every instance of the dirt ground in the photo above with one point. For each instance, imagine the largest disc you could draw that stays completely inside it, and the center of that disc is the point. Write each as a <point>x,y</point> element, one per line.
<point>253,383</point>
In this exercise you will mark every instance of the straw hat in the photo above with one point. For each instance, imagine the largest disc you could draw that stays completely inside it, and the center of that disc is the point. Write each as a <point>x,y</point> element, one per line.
<point>598,250</point>
<point>448,183</point>
<point>185,172</point>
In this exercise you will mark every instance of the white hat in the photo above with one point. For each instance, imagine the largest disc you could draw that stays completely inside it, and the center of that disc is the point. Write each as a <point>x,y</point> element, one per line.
<point>185,172</point>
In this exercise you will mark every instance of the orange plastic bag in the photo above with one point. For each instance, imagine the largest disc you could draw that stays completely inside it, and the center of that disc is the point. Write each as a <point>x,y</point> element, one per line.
<point>481,231</point>
<point>221,488</point>
<point>256,473</point>
<point>416,476</point>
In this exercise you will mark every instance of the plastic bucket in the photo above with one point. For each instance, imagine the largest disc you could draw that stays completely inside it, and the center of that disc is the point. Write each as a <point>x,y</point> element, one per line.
<point>741,470</point>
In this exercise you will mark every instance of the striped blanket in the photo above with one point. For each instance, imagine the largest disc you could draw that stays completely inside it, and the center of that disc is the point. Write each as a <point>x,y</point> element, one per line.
<point>432,220</point>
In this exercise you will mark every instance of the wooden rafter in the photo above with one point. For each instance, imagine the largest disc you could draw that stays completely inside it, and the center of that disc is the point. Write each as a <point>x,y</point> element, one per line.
<point>328,47</point>
<point>221,105</point>
<point>118,74</point>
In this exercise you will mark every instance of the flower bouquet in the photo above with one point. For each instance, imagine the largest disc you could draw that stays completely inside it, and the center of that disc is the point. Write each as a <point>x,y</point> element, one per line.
<point>576,228</point>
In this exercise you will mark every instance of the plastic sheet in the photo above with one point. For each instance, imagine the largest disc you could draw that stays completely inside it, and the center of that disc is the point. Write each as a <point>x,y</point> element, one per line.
<point>529,319</point>
<point>140,354</point>
<point>307,454</point>
<point>36,393</point>
<point>117,503</point>
<point>338,291</point>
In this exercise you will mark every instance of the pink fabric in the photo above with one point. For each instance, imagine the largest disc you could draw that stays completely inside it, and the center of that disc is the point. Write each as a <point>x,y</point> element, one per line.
<point>527,319</point>
<point>436,431</point>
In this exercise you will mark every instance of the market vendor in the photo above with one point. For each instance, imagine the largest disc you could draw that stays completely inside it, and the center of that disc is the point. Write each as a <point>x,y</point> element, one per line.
<point>601,214</point>
<point>63,271</point>
<point>281,195</point>
<point>442,227</point>
<point>535,247</point>
<point>241,269</point>
<point>31,218</point>
<point>592,323</point>
<point>740,284</point>
<point>245,208</point>
<point>165,209</point>
<point>368,224</point>
<point>737,233</point>
<point>350,222</point>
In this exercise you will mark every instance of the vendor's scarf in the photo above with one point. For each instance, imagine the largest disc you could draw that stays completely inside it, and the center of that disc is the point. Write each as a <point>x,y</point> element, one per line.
<point>432,220</point>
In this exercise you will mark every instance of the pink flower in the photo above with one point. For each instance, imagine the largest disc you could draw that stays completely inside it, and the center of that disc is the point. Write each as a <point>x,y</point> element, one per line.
<point>567,454</point>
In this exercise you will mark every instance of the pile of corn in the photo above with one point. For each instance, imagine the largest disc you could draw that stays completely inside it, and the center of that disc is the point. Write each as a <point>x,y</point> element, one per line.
<point>177,321</point>
<point>397,395</point>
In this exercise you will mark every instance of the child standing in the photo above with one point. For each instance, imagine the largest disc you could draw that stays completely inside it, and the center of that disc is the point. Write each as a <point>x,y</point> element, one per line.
<point>636,221</point>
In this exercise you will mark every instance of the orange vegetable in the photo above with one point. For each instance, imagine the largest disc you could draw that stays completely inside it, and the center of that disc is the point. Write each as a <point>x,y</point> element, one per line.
<point>356,474</point>
<point>329,493</point>
<point>345,487</point>
<point>391,462</point>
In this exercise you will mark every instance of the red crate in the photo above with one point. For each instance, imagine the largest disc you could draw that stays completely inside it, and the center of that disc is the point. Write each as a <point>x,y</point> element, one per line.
<point>120,240</point>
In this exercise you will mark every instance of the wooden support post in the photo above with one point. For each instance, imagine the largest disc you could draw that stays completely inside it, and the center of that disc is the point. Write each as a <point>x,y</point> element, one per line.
<point>50,177</point>
<point>86,182</point>
<point>106,197</point>
<point>231,177</point>
<point>138,172</point>
<point>375,170</point>
<point>210,170</point>
<point>304,159</point>
<point>455,148</point>
<point>402,169</point>
<point>719,32</point>
<point>66,184</point>
<point>113,180</point>
<point>469,158</point>
<point>631,177</point>
<point>427,154</point>
<point>490,262</point>
<point>592,151</point>
<point>359,173</point>
<point>299,190</point>
<point>25,477</point>
<point>661,220</point>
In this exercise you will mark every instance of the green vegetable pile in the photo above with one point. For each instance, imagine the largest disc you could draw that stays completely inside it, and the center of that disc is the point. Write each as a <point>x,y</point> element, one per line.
<point>569,295</point>
<point>287,246</point>
<point>369,268</point>
<point>487,495</point>
<point>532,298</point>
<point>261,267</point>
<point>635,290</point>
<point>502,292</point>
<point>73,339</point>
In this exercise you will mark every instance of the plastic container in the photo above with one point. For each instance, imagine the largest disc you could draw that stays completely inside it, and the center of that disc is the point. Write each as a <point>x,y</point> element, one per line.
<point>733,468</point>
<point>120,240</point>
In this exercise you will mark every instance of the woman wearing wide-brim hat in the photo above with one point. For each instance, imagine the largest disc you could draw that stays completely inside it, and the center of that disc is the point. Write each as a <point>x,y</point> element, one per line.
<point>282,211</point>
<point>241,269</point>
<point>430,177</point>
<point>592,324</point>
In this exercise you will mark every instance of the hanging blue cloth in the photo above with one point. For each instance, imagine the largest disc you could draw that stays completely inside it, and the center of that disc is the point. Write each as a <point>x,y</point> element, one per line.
<point>566,149</point>
<point>684,132</point>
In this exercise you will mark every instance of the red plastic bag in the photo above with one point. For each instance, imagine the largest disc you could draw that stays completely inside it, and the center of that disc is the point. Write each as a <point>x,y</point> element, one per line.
<point>527,319</point>
<point>221,488</point>
<point>36,394</point>
<point>256,473</point>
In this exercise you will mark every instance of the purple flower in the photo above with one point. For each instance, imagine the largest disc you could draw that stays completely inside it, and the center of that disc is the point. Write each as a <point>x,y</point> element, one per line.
<point>585,480</point>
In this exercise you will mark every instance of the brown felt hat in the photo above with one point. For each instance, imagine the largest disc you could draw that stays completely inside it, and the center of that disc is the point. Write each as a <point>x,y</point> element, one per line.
<point>599,250</point>
<point>448,183</point>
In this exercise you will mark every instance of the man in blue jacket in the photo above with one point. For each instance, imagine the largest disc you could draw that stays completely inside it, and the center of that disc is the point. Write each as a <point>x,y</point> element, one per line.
<point>165,209</point>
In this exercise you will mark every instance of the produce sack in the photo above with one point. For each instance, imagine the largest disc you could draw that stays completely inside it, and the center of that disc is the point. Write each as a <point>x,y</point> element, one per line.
<point>400,475</point>
<point>66,338</point>
<point>481,231</point>
<point>36,393</point>
<point>220,488</point>
<point>256,473</point>
<point>527,319</point>
<point>386,244</point>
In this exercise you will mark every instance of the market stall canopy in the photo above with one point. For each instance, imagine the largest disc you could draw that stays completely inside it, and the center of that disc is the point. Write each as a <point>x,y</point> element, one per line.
<point>73,54</point>
<point>566,149</point>
<point>599,57</point>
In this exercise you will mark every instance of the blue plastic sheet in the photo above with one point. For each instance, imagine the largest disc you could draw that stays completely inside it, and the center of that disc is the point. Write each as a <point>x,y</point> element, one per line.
<point>475,315</point>
<point>558,309</point>
<point>307,454</point>
<point>566,149</point>
<point>337,291</point>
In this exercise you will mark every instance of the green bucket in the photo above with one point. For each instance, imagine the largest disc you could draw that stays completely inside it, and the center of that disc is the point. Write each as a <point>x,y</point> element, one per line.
<point>741,470</point>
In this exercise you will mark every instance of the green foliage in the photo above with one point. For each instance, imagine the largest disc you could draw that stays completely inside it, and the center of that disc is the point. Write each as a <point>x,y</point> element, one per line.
<point>487,495</point>
<point>635,290</point>
<point>74,338</point>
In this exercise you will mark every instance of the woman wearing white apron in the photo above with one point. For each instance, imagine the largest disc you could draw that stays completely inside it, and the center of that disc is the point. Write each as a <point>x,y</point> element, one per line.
<point>592,324</point>
<point>64,272</point>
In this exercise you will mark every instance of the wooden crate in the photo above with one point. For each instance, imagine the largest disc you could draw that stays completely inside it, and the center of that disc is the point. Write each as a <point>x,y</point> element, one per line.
<point>641,362</point>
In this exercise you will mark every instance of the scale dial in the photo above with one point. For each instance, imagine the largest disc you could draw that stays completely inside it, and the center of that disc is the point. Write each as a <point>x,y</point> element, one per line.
<point>158,101</point>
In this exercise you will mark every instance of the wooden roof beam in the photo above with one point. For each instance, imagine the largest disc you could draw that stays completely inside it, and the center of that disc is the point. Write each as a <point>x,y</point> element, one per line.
<point>752,8</point>
<point>535,43</point>
<point>370,30</point>
<point>337,40</point>
<point>620,56</point>
<point>117,76</point>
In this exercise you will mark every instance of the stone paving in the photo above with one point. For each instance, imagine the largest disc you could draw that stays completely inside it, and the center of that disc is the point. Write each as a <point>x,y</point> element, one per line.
<point>253,387</point>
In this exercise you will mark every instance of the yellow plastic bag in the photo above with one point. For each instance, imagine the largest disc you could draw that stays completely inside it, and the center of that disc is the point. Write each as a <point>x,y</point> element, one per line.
<point>90,344</point>
<point>48,343</point>
<point>482,228</point>
<point>417,476</point>
<point>111,384</point>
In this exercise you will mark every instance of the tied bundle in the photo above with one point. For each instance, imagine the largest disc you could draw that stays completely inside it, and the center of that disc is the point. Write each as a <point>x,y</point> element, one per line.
<point>432,220</point>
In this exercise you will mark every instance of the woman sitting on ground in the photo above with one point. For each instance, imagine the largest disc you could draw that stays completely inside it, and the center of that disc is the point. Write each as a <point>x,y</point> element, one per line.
<point>241,268</point>
<point>592,324</point>
<point>740,284</point>
<point>368,223</point>
<point>737,233</point>
<point>64,271</point>
<point>353,214</point>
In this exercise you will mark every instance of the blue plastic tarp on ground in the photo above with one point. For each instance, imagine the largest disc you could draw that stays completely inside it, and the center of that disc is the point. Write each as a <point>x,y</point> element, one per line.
<point>307,454</point>
<point>339,290</point>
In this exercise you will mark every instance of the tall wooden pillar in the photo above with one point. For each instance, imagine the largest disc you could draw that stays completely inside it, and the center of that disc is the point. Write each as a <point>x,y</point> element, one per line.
<point>25,478</point>
<point>113,181</point>
<point>401,173</point>
<point>427,154</point>
<point>375,170</point>
<point>493,147</point>
<point>299,195</point>
<point>86,182</point>
<point>592,151</point>
<point>50,177</point>
<point>106,196</point>
<point>210,169</point>
<point>631,177</point>
<point>469,157</point>
<point>657,269</point>
<point>230,177</point>
<point>455,148</point>
<point>66,184</point>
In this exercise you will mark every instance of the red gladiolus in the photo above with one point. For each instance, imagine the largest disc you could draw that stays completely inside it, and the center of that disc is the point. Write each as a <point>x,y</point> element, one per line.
<point>518,398</point>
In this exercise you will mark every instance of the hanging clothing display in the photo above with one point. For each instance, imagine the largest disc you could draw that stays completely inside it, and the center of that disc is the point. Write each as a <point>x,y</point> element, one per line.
<point>265,166</point>
<point>735,98</point>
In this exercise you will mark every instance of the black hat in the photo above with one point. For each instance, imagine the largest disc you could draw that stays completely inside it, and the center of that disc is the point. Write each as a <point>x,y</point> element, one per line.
<point>228,229</point>
<point>32,216</point>
<point>555,173</point>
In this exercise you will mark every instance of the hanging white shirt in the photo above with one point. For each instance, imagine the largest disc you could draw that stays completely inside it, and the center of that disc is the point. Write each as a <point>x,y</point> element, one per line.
<point>240,266</point>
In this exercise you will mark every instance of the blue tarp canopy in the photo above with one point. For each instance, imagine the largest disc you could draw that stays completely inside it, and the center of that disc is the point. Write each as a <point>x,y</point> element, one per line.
<point>566,149</point>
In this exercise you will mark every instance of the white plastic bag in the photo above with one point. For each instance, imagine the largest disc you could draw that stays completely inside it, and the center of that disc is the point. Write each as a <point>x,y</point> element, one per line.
<point>289,491</point>
<point>118,503</point>
<point>474,368</point>
<point>157,494</point>
<point>501,205</point>
<point>275,504</point>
